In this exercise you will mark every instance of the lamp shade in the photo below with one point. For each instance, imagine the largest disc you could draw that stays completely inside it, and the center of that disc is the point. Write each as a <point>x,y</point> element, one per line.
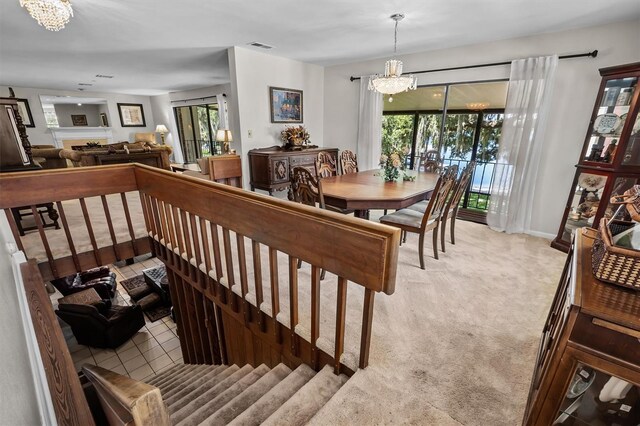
<point>224,135</point>
<point>161,128</point>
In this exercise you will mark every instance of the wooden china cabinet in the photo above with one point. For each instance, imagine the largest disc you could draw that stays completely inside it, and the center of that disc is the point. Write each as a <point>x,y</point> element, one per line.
<point>610,160</point>
<point>587,370</point>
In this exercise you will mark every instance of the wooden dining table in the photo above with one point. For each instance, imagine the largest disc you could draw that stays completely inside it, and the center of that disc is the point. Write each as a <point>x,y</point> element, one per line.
<point>367,190</point>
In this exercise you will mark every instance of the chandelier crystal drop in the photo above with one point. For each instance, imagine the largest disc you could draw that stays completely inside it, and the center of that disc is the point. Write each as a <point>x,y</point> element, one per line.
<point>51,14</point>
<point>392,81</point>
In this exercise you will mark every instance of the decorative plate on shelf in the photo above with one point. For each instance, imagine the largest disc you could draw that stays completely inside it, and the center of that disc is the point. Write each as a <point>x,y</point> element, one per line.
<point>605,124</point>
<point>591,182</point>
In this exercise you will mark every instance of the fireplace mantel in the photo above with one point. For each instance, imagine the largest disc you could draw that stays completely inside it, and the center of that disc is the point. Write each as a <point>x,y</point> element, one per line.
<point>65,133</point>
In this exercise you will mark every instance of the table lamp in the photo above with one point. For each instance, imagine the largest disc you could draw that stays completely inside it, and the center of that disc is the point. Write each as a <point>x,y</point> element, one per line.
<point>162,129</point>
<point>224,135</point>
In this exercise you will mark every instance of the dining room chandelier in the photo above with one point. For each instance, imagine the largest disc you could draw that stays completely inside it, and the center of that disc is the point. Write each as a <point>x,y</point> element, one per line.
<point>392,81</point>
<point>51,14</point>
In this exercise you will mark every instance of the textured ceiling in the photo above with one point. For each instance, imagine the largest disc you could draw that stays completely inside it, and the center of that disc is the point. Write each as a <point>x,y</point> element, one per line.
<point>157,46</point>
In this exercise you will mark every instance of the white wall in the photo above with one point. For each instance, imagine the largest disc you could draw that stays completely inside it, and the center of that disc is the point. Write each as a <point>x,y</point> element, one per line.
<point>162,107</point>
<point>41,135</point>
<point>65,111</point>
<point>575,91</point>
<point>252,73</point>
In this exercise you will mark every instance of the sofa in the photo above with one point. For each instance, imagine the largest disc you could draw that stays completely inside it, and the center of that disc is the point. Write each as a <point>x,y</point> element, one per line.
<point>121,152</point>
<point>101,325</point>
<point>48,157</point>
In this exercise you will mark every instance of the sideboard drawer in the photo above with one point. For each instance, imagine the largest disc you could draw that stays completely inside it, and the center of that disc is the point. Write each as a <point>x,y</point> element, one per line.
<point>301,160</point>
<point>279,169</point>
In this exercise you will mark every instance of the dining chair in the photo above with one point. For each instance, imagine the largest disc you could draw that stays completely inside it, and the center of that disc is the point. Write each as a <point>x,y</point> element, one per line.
<point>416,222</point>
<point>431,161</point>
<point>306,189</point>
<point>348,162</point>
<point>326,165</point>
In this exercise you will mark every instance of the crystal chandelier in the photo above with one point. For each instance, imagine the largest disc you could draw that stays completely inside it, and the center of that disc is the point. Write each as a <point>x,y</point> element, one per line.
<point>393,81</point>
<point>51,14</point>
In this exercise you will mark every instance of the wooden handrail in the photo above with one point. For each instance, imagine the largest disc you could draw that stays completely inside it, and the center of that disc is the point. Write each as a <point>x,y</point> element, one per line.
<point>363,252</point>
<point>127,401</point>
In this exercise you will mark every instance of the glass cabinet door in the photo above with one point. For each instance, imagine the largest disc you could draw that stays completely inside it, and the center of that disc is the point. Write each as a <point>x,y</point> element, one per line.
<point>610,120</point>
<point>632,153</point>
<point>597,398</point>
<point>585,201</point>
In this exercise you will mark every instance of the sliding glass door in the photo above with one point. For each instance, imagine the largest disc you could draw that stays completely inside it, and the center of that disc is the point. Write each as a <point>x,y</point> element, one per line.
<point>473,115</point>
<point>197,127</point>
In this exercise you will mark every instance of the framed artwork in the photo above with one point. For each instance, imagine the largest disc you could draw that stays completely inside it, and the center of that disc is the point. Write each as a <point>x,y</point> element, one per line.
<point>25,112</point>
<point>131,115</point>
<point>286,105</point>
<point>79,120</point>
<point>104,122</point>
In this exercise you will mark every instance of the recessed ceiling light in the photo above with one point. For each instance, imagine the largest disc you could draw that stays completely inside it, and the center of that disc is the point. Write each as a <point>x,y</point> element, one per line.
<point>103,76</point>
<point>260,45</point>
<point>79,104</point>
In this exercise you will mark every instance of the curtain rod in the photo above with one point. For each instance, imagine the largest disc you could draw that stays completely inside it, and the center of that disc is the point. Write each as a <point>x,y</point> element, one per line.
<point>198,99</point>
<point>494,64</point>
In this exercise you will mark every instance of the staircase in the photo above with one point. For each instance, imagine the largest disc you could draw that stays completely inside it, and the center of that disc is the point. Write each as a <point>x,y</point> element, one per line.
<point>220,395</point>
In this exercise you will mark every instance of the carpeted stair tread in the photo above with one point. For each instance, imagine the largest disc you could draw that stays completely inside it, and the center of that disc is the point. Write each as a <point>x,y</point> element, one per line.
<point>207,375</point>
<point>174,374</point>
<point>164,374</point>
<point>197,417</point>
<point>308,400</point>
<point>249,396</point>
<point>272,400</point>
<point>183,379</point>
<point>203,398</point>
<point>187,398</point>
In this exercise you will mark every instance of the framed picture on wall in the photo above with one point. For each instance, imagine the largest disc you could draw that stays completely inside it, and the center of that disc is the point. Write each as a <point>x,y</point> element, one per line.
<point>286,105</point>
<point>25,112</point>
<point>79,120</point>
<point>131,115</point>
<point>104,122</point>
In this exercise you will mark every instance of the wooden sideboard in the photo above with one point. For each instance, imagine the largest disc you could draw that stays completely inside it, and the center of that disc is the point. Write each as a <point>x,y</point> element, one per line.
<point>270,167</point>
<point>589,351</point>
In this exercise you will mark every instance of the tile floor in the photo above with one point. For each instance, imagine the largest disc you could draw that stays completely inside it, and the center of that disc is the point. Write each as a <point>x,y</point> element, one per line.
<point>154,348</point>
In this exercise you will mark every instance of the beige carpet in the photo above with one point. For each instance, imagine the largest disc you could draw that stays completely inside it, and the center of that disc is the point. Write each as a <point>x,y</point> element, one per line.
<point>456,343</point>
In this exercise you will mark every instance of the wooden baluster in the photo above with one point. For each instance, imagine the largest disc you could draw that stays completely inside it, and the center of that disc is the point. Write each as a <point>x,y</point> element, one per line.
<point>244,287</point>
<point>202,337</point>
<point>207,251</point>
<point>177,298</point>
<point>341,311</point>
<point>257,273</point>
<point>45,242</point>
<point>214,339</point>
<point>92,238</point>
<point>196,250</point>
<point>171,234</point>
<point>112,233</point>
<point>158,226</point>
<point>228,257</point>
<point>275,292</point>
<point>180,241</point>
<point>187,242</point>
<point>67,233</point>
<point>165,231</point>
<point>367,320</point>
<point>127,216</point>
<point>14,229</point>
<point>293,302</point>
<point>145,210</point>
<point>315,314</point>
<point>217,257</point>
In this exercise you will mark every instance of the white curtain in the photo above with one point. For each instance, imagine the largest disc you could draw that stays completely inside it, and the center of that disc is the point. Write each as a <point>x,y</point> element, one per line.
<point>223,120</point>
<point>369,145</point>
<point>521,144</point>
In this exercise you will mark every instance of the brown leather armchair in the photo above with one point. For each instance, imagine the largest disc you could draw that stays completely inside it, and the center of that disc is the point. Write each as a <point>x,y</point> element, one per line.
<point>101,325</point>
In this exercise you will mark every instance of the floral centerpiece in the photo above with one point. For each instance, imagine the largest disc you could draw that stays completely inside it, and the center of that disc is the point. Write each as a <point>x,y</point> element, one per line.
<point>295,136</point>
<point>392,162</point>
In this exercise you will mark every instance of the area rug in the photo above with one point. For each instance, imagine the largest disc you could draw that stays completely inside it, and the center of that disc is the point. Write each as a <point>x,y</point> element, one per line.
<point>135,283</point>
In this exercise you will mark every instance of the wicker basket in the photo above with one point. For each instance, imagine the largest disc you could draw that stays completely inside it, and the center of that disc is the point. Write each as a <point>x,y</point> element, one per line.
<point>616,265</point>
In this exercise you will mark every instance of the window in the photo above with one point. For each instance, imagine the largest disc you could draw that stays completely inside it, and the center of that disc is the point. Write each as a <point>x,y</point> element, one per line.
<point>473,114</point>
<point>197,128</point>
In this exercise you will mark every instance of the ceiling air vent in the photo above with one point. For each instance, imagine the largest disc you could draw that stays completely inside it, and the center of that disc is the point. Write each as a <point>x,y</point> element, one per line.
<point>103,76</point>
<point>85,84</point>
<point>260,45</point>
